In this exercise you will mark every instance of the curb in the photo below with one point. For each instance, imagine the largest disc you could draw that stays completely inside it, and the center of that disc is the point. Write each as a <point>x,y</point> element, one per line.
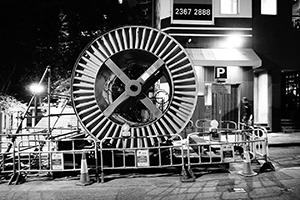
<point>284,144</point>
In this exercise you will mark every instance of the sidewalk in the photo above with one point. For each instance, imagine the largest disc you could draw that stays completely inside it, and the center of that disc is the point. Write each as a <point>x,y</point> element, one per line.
<point>284,139</point>
<point>283,183</point>
<point>274,185</point>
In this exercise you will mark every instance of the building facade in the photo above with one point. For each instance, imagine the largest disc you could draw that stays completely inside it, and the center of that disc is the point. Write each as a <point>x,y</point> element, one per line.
<point>235,48</point>
<point>276,39</point>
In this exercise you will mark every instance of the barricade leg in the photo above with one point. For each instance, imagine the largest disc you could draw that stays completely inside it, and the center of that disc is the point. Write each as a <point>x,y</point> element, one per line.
<point>102,176</point>
<point>17,178</point>
<point>187,174</point>
<point>267,166</point>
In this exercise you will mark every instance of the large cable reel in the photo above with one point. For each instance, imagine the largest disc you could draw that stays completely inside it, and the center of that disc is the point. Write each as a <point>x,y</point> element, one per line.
<point>138,76</point>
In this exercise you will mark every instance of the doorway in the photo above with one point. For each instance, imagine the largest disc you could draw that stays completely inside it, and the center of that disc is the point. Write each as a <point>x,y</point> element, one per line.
<point>221,102</point>
<point>291,96</point>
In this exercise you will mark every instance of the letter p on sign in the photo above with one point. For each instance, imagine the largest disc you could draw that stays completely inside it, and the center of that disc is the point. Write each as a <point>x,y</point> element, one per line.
<point>220,72</point>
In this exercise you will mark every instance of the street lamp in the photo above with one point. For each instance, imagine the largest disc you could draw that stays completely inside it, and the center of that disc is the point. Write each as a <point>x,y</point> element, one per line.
<point>36,89</point>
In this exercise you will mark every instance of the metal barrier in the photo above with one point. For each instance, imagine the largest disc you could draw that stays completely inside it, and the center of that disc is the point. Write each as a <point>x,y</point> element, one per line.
<point>7,159</point>
<point>258,132</point>
<point>203,125</point>
<point>29,140</point>
<point>228,125</point>
<point>161,155</point>
<point>259,146</point>
<point>189,128</point>
<point>55,160</point>
<point>199,148</point>
<point>228,148</point>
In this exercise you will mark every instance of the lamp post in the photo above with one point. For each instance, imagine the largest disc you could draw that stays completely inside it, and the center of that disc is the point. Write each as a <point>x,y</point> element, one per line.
<point>36,89</point>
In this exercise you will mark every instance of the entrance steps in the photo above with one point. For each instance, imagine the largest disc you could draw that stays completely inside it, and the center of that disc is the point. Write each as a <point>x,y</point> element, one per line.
<point>289,126</point>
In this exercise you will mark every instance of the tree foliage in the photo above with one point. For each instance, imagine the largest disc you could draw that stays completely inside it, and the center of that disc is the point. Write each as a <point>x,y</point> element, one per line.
<point>9,104</point>
<point>38,33</point>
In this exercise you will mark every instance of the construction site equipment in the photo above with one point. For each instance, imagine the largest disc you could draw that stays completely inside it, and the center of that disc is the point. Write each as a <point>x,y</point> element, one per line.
<point>143,80</point>
<point>161,155</point>
<point>119,77</point>
<point>52,160</point>
<point>229,147</point>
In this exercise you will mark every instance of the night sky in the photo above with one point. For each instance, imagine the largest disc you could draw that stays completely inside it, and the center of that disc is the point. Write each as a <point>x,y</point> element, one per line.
<point>38,33</point>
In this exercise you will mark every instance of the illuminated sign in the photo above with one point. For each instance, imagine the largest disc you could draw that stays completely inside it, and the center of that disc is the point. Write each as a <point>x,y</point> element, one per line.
<point>202,12</point>
<point>192,12</point>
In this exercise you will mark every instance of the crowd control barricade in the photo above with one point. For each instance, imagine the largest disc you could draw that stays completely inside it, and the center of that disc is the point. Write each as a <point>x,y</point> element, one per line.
<point>189,128</point>
<point>8,149</point>
<point>50,157</point>
<point>29,140</point>
<point>257,132</point>
<point>228,125</point>
<point>260,145</point>
<point>227,147</point>
<point>163,154</point>
<point>7,160</point>
<point>203,125</point>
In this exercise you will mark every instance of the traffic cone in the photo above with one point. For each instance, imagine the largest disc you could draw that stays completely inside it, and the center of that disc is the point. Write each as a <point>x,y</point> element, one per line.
<point>247,171</point>
<point>84,175</point>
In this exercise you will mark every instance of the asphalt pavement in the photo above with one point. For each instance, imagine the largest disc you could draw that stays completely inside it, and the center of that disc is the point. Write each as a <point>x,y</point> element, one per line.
<point>280,184</point>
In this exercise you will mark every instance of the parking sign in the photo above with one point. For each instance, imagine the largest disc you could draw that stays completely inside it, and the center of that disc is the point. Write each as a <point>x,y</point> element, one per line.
<point>220,72</point>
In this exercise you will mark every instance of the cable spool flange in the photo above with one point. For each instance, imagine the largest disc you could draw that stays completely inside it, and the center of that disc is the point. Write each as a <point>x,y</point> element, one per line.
<point>135,75</point>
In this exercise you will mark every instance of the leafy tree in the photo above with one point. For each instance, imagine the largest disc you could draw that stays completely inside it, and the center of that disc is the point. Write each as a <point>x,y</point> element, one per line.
<point>38,33</point>
<point>9,104</point>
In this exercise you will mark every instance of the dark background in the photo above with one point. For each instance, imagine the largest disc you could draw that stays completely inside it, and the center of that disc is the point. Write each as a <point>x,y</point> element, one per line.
<point>38,33</point>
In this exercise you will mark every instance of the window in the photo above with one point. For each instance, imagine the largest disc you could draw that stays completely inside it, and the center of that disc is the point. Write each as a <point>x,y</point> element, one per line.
<point>269,7</point>
<point>229,7</point>
<point>292,92</point>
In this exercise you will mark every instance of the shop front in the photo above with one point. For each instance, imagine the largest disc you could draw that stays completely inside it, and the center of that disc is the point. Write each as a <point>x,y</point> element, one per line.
<point>218,36</point>
<point>225,76</point>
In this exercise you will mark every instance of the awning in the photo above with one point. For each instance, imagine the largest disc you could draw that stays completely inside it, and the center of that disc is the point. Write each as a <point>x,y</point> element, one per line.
<point>224,57</point>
